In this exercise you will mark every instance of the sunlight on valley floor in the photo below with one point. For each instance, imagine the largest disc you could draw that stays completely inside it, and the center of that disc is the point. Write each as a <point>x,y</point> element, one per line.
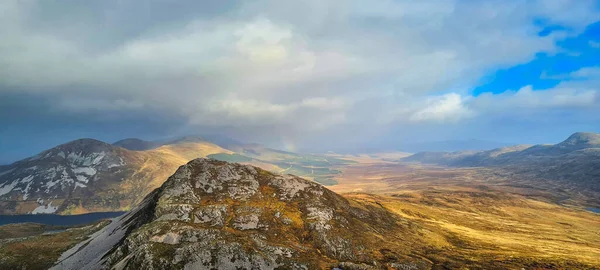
<point>489,219</point>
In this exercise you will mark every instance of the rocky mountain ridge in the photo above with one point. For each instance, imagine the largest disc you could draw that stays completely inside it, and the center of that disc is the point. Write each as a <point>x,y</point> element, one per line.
<point>69,170</point>
<point>217,215</point>
<point>88,175</point>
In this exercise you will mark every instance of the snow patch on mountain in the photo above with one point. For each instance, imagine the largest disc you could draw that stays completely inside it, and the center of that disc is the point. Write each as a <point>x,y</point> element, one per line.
<point>80,158</point>
<point>121,163</point>
<point>49,185</point>
<point>65,178</point>
<point>29,181</point>
<point>82,178</point>
<point>80,185</point>
<point>45,209</point>
<point>51,173</point>
<point>85,170</point>
<point>6,188</point>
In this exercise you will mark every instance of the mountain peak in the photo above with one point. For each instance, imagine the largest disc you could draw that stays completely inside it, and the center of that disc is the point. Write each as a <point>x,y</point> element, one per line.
<point>187,139</point>
<point>136,144</point>
<point>217,215</point>
<point>84,146</point>
<point>587,139</point>
<point>84,143</point>
<point>44,183</point>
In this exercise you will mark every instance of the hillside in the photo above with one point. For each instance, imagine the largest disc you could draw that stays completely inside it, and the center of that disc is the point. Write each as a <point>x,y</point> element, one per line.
<point>80,174</point>
<point>451,146</point>
<point>87,175</point>
<point>575,161</point>
<point>217,215</point>
<point>137,144</point>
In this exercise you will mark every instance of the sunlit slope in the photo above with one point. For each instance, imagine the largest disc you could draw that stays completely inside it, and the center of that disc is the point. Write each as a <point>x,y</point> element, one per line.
<point>91,176</point>
<point>495,228</point>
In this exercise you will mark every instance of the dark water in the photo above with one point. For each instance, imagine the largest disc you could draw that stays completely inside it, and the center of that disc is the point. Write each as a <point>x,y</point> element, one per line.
<point>593,209</point>
<point>58,220</point>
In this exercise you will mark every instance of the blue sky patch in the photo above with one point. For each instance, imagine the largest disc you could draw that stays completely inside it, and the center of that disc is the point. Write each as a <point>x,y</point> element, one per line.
<point>548,70</point>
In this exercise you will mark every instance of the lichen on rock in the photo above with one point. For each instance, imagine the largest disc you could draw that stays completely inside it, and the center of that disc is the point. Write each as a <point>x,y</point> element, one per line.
<point>217,215</point>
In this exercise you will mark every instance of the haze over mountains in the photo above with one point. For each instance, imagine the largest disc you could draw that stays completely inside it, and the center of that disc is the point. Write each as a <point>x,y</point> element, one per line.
<point>450,145</point>
<point>88,175</point>
<point>574,162</point>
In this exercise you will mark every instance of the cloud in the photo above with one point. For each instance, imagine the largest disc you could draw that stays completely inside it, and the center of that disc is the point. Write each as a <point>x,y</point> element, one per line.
<point>586,73</point>
<point>527,99</point>
<point>103,105</point>
<point>449,107</point>
<point>265,67</point>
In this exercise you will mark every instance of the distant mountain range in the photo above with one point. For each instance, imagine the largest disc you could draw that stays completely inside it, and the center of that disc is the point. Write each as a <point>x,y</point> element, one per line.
<point>141,145</point>
<point>88,175</point>
<point>575,161</point>
<point>451,145</point>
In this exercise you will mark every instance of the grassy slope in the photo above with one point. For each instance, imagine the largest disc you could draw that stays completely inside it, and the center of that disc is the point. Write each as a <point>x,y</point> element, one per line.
<point>459,219</point>
<point>24,246</point>
<point>475,218</point>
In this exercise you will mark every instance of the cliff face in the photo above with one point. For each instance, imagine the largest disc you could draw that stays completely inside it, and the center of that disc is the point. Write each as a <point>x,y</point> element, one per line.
<point>212,214</point>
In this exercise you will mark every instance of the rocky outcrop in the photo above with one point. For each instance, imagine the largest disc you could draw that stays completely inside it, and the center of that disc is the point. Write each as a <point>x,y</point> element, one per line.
<point>217,215</point>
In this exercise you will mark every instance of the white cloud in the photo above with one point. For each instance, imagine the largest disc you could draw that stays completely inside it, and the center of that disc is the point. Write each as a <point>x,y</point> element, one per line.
<point>445,108</point>
<point>267,62</point>
<point>580,90</point>
<point>586,73</point>
<point>527,99</point>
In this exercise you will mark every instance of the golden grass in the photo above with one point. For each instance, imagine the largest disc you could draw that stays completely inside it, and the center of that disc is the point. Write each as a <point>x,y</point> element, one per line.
<point>474,218</point>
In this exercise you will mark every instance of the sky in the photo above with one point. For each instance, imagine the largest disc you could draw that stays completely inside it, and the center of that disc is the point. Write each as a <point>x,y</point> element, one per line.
<point>314,75</point>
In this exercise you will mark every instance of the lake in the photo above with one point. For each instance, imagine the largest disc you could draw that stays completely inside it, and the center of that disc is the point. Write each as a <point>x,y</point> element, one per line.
<point>593,209</point>
<point>58,220</point>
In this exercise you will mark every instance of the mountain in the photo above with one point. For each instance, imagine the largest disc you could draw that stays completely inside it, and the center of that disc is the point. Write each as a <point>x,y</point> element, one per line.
<point>575,161</point>
<point>137,144</point>
<point>64,177</point>
<point>311,166</point>
<point>141,145</point>
<point>217,215</point>
<point>218,139</point>
<point>87,175</point>
<point>451,146</point>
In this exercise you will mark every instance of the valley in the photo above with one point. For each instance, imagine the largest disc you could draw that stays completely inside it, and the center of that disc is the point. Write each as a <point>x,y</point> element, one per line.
<point>439,216</point>
<point>301,135</point>
<point>494,218</point>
